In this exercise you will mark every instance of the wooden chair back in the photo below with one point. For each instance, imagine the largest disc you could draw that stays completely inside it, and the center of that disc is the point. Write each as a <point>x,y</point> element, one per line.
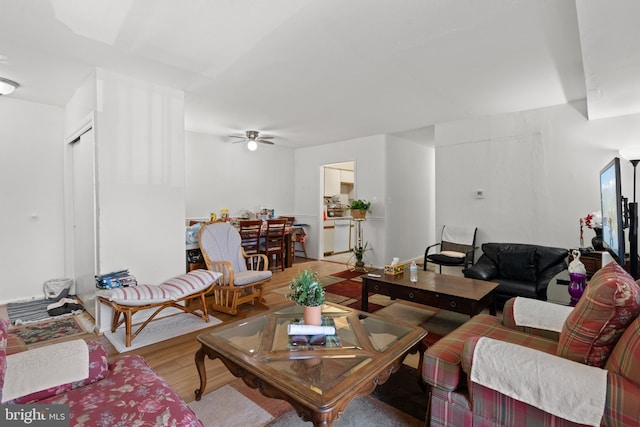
<point>250,234</point>
<point>290,220</point>
<point>274,241</point>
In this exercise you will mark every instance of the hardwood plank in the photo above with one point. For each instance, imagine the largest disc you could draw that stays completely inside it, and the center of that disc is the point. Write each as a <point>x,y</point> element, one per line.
<point>174,359</point>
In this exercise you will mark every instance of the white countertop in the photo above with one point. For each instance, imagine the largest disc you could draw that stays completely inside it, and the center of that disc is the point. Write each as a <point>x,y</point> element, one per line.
<point>337,217</point>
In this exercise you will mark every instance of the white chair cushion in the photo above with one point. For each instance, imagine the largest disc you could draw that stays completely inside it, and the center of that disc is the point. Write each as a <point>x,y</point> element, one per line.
<point>138,295</point>
<point>190,283</point>
<point>248,277</point>
<point>533,313</point>
<point>453,254</point>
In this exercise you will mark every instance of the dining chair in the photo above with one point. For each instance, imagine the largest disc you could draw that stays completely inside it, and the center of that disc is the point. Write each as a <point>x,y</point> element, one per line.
<point>243,275</point>
<point>298,235</point>
<point>290,220</point>
<point>289,244</point>
<point>274,241</point>
<point>250,234</point>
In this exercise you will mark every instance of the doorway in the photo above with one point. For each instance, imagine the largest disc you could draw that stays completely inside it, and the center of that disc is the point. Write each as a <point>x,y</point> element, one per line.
<point>338,193</point>
<point>84,218</point>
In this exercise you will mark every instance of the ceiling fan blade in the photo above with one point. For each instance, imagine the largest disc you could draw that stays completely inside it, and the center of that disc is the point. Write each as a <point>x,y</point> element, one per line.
<point>265,142</point>
<point>240,140</point>
<point>265,137</point>
<point>237,136</point>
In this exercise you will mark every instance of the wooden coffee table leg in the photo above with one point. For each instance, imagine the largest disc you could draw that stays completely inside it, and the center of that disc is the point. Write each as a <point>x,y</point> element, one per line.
<point>202,372</point>
<point>365,295</point>
<point>493,306</point>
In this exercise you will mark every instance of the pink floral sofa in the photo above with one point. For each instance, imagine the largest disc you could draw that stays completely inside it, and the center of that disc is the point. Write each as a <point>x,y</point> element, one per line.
<point>76,373</point>
<point>544,364</point>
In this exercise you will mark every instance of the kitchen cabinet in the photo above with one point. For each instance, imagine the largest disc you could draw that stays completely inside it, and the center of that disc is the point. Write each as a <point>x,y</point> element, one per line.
<point>331,182</point>
<point>346,177</point>
<point>341,235</point>
<point>328,237</point>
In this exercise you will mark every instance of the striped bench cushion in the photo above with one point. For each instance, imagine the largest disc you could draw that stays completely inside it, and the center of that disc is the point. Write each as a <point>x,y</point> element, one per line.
<point>190,283</point>
<point>138,295</point>
<point>173,289</point>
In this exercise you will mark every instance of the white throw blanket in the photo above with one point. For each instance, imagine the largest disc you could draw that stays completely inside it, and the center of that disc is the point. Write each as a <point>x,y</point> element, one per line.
<point>561,387</point>
<point>533,313</point>
<point>45,367</point>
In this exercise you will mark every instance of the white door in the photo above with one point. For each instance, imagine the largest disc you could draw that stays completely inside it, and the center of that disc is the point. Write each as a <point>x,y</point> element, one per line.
<point>85,263</point>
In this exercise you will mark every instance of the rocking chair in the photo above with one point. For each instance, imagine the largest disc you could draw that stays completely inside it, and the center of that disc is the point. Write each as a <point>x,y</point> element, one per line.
<point>243,275</point>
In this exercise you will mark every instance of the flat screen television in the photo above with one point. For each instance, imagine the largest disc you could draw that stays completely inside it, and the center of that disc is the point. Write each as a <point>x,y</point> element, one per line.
<point>612,209</point>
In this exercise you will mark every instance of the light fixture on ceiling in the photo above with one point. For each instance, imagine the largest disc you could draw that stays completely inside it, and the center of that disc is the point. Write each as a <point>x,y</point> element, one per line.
<point>253,137</point>
<point>7,86</point>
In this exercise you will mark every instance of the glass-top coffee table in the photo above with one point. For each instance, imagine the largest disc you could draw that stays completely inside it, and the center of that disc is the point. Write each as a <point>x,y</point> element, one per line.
<point>318,379</point>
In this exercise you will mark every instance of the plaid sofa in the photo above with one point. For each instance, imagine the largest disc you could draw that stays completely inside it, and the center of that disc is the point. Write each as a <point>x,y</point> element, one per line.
<point>602,334</point>
<point>125,392</point>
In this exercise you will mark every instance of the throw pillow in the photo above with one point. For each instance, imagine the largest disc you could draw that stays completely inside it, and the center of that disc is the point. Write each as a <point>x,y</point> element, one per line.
<point>610,303</point>
<point>625,354</point>
<point>517,263</point>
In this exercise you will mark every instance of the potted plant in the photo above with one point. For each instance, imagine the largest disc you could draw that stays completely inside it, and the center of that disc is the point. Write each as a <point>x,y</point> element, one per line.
<point>359,208</point>
<point>359,251</point>
<point>306,290</point>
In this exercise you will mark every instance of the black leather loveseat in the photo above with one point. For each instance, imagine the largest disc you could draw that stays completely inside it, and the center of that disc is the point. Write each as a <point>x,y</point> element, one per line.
<point>521,269</point>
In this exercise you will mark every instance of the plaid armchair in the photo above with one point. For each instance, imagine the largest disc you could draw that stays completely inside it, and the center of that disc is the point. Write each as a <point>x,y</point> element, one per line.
<point>544,364</point>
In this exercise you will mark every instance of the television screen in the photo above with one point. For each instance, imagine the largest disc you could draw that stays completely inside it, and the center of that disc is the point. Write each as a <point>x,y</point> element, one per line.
<point>612,214</point>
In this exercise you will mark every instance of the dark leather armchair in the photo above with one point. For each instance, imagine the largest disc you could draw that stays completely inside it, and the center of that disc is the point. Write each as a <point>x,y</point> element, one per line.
<point>521,269</point>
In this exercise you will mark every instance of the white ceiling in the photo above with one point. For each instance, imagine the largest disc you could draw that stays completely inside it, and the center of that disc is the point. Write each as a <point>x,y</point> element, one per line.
<point>317,71</point>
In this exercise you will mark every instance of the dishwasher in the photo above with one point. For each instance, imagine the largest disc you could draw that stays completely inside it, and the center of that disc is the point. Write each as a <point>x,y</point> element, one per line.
<point>341,235</point>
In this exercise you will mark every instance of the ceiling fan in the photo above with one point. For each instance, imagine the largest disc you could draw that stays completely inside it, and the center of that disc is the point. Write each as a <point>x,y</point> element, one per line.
<point>253,137</point>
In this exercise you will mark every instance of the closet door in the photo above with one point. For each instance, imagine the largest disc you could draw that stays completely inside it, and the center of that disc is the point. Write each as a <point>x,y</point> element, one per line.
<point>85,219</point>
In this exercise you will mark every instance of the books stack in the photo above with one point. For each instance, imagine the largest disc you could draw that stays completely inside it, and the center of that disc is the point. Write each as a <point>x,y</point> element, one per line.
<point>116,279</point>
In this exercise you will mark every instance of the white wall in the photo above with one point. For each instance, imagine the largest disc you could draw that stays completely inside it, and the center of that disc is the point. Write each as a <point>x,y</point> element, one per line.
<point>31,185</point>
<point>220,174</point>
<point>141,169</point>
<point>410,203</point>
<point>539,169</point>
<point>370,184</point>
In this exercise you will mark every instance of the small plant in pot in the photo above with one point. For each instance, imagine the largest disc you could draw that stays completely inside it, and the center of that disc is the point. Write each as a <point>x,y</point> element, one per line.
<point>359,208</point>
<point>359,251</point>
<point>306,290</point>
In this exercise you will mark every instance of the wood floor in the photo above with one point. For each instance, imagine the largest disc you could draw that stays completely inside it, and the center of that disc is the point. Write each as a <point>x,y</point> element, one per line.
<point>174,359</point>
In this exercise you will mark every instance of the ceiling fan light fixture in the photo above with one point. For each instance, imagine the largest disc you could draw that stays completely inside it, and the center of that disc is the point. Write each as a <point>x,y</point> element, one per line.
<point>252,145</point>
<point>7,86</point>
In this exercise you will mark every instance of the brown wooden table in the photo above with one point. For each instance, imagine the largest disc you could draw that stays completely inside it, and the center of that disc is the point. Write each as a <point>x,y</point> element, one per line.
<point>318,381</point>
<point>453,293</point>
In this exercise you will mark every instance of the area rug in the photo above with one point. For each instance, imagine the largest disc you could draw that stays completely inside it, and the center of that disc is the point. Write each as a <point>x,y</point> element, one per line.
<point>31,311</point>
<point>160,330</point>
<point>436,322</point>
<point>49,330</point>
<point>345,288</point>
<point>403,392</point>
<point>347,274</point>
<point>237,405</point>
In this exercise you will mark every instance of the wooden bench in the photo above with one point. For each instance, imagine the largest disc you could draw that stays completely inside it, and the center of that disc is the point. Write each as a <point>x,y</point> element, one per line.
<point>181,289</point>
